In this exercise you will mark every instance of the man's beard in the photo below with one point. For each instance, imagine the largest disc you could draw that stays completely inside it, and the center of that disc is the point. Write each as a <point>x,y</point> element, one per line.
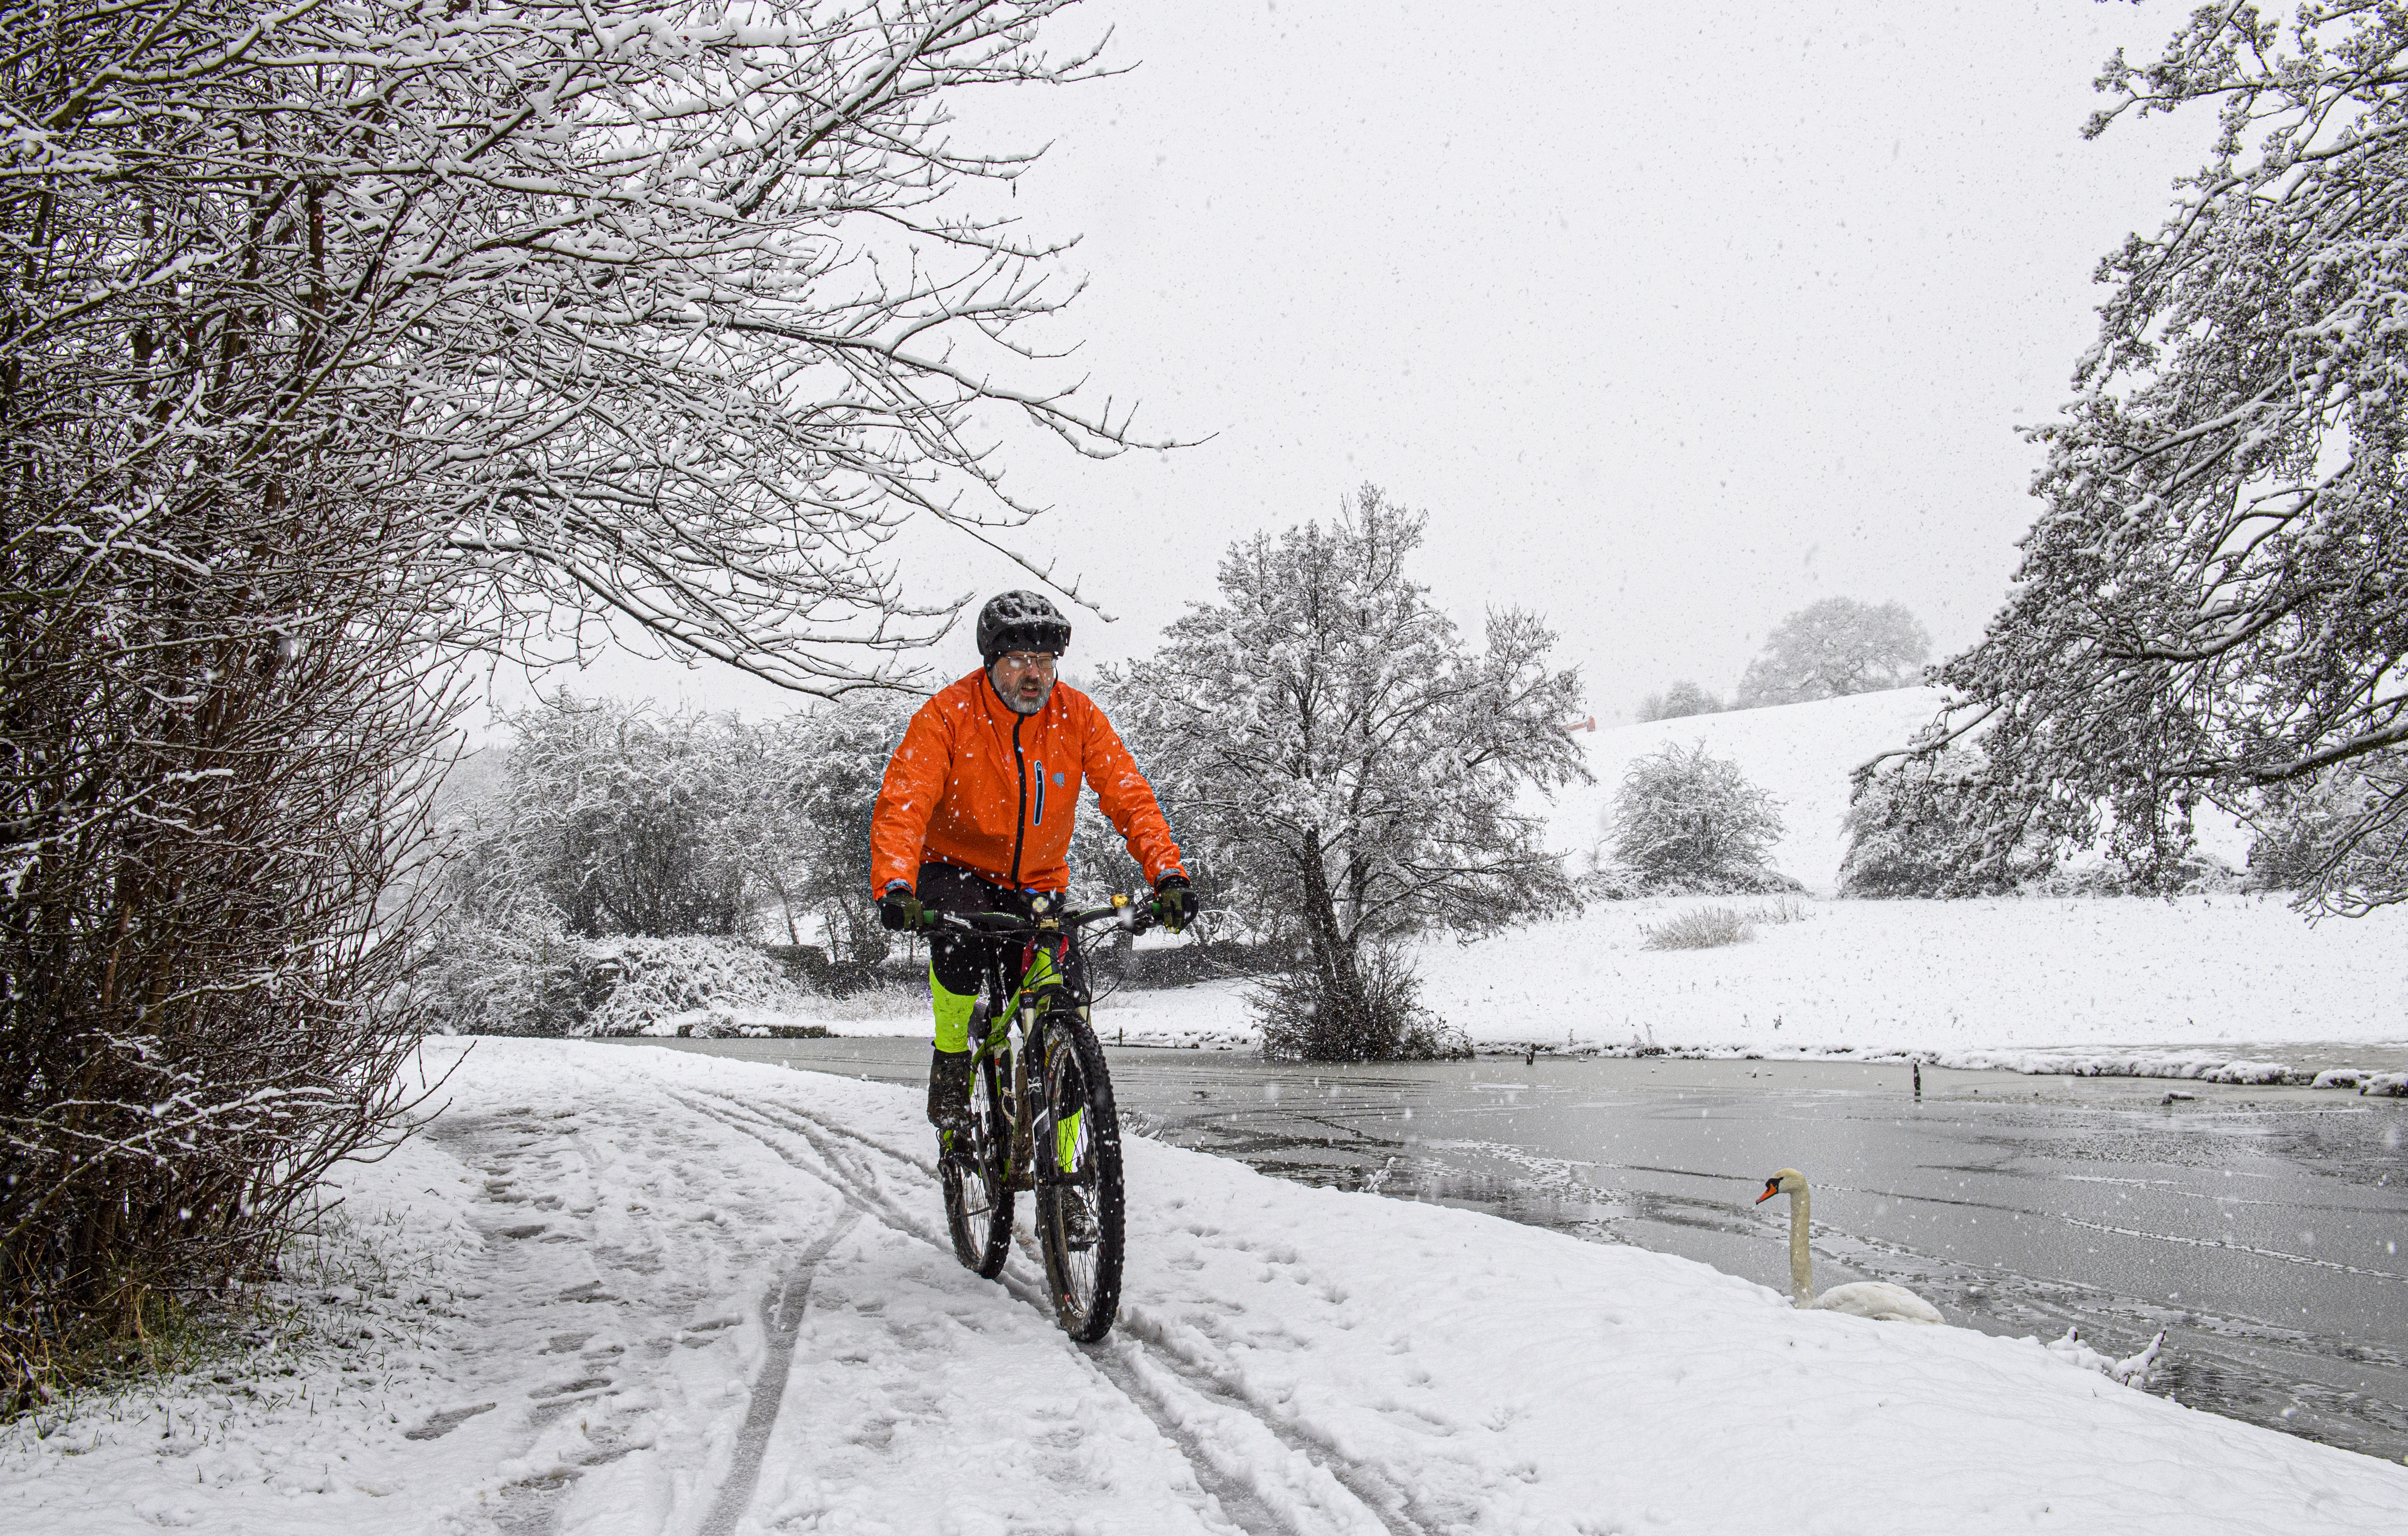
<point>1015,703</point>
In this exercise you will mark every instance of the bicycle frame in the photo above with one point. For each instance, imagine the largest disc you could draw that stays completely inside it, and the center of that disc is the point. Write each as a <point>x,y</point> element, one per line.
<point>1048,1123</point>
<point>1052,941</point>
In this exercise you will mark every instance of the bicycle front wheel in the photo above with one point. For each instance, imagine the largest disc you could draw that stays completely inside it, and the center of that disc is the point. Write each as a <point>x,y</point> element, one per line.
<point>977,1178</point>
<point>1082,1207</point>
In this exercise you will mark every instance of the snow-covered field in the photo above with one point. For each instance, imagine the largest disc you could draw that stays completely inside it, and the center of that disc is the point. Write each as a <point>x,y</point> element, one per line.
<point>2121,983</point>
<point>635,1290</point>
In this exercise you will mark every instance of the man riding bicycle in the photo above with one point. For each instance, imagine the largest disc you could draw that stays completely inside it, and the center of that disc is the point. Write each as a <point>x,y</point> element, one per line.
<point>976,813</point>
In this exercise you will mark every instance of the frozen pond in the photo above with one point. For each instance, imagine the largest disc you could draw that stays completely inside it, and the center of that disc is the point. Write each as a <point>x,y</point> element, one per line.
<point>2261,1227</point>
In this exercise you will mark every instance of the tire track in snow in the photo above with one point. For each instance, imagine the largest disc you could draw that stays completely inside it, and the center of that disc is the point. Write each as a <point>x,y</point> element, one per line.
<point>781,1319</point>
<point>1178,1390</point>
<point>1235,1500</point>
<point>1234,1486</point>
<point>1138,1339</point>
<point>1282,1476</point>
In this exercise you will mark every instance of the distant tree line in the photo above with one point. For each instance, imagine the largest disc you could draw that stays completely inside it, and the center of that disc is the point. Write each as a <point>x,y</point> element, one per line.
<point>616,820</point>
<point>1826,650</point>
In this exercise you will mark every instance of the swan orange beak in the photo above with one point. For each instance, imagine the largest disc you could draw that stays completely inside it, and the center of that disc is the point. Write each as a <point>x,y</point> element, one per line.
<point>1772,1187</point>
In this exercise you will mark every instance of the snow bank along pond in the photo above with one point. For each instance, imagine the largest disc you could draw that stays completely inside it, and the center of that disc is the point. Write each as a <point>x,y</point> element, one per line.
<point>2260,1227</point>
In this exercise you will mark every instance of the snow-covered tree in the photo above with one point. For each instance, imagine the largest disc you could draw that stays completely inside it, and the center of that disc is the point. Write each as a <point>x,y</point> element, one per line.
<point>340,343</point>
<point>672,313</point>
<point>611,819</point>
<point>1685,821</point>
<point>1329,747</point>
<point>1832,649</point>
<point>2214,602</point>
<point>804,821</point>
<point>1680,702</point>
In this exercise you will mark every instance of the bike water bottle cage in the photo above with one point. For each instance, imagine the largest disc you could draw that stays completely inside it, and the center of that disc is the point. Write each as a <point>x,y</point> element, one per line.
<point>1041,966</point>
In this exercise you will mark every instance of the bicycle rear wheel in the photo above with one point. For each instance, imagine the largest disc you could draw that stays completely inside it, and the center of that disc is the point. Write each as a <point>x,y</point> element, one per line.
<point>977,1180</point>
<point>1082,1207</point>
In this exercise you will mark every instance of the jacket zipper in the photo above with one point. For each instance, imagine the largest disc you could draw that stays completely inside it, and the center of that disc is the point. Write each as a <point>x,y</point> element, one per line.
<point>1020,829</point>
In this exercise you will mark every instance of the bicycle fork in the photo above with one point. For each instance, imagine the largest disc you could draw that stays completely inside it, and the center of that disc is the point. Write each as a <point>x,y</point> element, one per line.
<point>1024,1158</point>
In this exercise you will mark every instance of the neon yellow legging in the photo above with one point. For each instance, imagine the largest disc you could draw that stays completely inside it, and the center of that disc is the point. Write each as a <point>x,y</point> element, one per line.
<point>953,1011</point>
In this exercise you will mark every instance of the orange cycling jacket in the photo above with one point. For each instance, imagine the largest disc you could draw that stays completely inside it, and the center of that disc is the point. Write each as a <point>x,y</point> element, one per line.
<point>977,785</point>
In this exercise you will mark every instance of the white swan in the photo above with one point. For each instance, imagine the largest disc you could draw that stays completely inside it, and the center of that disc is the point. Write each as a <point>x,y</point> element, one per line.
<point>1875,1298</point>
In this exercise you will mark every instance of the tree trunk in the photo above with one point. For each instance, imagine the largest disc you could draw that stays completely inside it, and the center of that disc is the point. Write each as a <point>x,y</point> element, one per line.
<point>794,934</point>
<point>1343,1029</point>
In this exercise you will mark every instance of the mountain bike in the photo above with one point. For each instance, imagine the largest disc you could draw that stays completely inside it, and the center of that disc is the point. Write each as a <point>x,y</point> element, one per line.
<point>1041,1114</point>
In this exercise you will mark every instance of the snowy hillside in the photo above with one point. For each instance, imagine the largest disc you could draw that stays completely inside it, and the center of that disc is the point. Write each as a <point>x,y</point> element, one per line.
<point>1803,753</point>
<point>633,1290</point>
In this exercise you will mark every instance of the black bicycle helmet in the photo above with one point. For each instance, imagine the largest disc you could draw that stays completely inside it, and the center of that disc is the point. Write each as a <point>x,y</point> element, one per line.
<point>1020,620</point>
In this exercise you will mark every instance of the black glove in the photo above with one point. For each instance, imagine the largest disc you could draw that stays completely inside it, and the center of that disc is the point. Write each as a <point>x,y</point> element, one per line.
<point>898,910</point>
<point>1174,902</point>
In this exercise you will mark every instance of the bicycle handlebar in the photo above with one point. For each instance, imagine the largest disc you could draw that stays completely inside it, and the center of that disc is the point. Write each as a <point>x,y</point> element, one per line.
<point>1012,922</point>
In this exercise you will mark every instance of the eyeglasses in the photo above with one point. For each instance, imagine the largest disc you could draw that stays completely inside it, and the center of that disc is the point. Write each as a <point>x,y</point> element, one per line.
<point>1026,661</point>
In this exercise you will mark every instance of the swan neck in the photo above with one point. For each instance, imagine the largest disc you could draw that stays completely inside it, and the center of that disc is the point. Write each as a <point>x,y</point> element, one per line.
<point>1802,1262</point>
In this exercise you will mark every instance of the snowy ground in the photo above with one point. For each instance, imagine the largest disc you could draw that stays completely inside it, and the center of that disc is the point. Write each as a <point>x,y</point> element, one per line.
<point>633,1290</point>
<point>2119,985</point>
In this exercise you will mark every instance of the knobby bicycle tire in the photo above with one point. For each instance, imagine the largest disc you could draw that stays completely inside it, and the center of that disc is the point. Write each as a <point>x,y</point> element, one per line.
<point>1085,1283</point>
<point>977,1182</point>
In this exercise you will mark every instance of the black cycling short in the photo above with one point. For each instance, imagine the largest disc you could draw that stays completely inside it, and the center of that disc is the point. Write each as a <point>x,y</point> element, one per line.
<point>958,959</point>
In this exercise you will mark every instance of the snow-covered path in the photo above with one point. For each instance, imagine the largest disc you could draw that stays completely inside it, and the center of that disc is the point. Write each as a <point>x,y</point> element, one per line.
<point>670,1293</point>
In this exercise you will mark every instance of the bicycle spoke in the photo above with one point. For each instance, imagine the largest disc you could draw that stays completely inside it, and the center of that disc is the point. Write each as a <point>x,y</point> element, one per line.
<point>1080,1196</point>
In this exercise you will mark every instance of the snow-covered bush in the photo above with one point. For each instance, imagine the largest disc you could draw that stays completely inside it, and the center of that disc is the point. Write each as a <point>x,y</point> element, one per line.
<point>650,985</point>
<point>1304,1019</point>
<point>504,978</point>
<point>1686,822</point>
<point>1921,830</point>
<point>1680,702</point>
<point>2193,874</point>
<point>531,979</point>
<point>1708,928</point>
<point>1606,880</point>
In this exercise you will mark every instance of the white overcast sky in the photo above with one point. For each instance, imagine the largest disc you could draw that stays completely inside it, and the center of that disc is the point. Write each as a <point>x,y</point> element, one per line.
<point>1673,317</point>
